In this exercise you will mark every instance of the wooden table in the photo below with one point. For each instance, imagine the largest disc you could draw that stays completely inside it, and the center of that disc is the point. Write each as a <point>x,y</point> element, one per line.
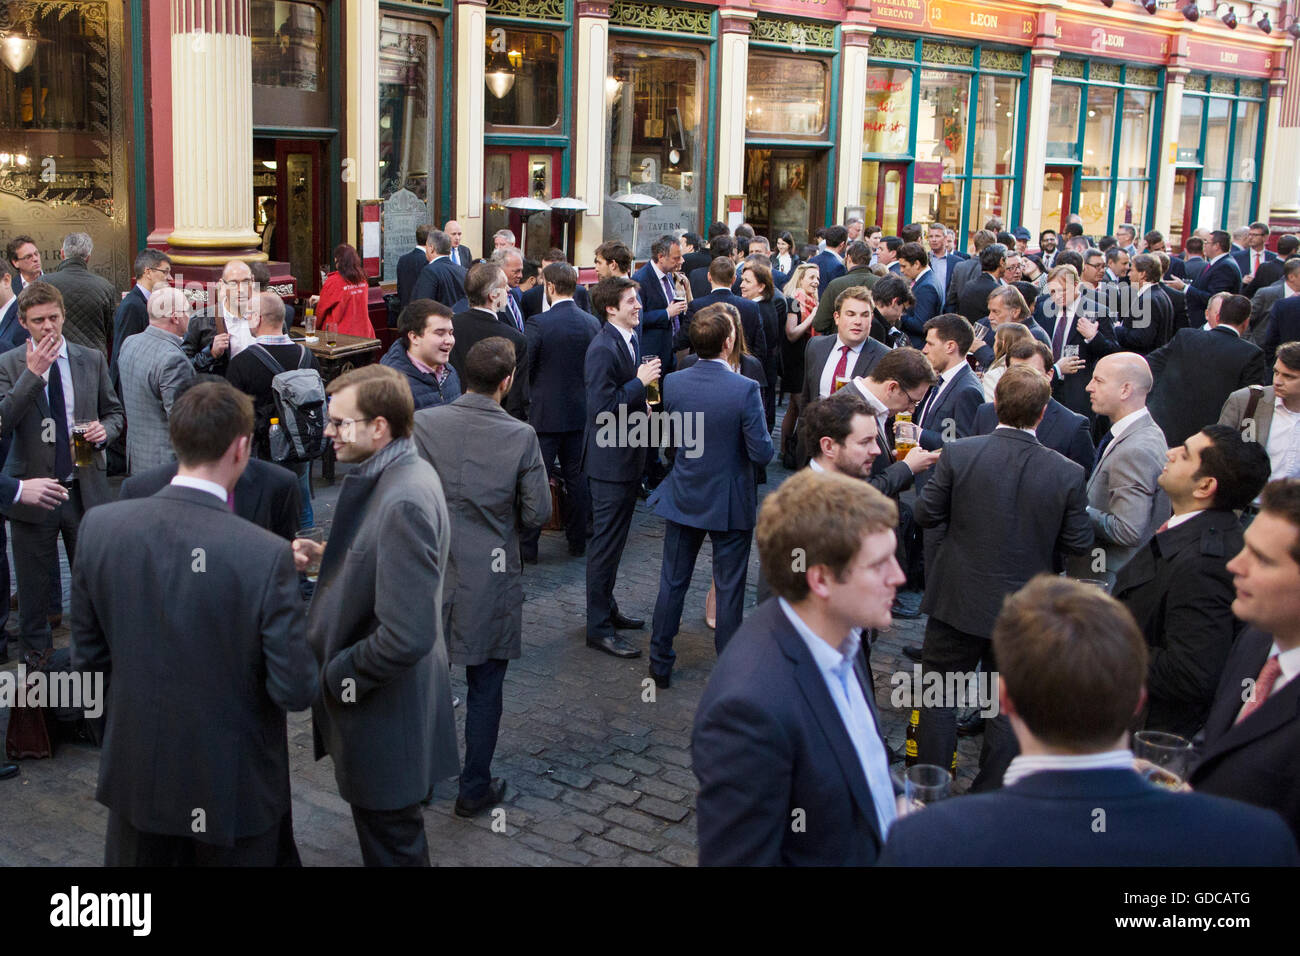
<point>347,352</point>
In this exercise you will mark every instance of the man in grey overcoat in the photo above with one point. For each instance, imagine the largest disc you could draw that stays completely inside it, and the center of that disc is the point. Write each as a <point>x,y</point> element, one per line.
<point>384,710</point>
<point>495,483</point>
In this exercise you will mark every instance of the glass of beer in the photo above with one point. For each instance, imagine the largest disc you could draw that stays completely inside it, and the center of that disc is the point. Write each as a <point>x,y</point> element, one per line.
<point>331,333</point>
<point>904,435</point>
<point>83,450</point>
<point>838,382</point>
<point>317,535</point>
<point>1168,757</point>
<point>924,784</point>
<point>652,394</point>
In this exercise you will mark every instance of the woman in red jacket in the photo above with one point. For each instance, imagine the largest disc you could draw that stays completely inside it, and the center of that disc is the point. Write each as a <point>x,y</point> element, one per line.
<point>342,298</point>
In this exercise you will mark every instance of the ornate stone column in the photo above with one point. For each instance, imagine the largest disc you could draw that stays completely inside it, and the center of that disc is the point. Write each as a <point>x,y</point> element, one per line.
<point>360,172</point>
<point>853,104</point>
<point>1175,78</point>
<point>734,21</point>
<point>1279,198</point>
<point>1043,61</point>
<point>590,174</point>
<point>471,40</point>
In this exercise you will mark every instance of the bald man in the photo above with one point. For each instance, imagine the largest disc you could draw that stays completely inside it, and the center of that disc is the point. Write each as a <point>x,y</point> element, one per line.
<point>154,370</point>
<point>459,253</point>
<point>209,350</point>
<point>1125,502</point>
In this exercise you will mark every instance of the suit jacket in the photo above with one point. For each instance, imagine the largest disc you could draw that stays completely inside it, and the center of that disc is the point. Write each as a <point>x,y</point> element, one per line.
<point>266,494</point>
<point>829,267</point>
<point>464,257</point>
<point>943,273</point>
<point>1252,761</point>
<point>88,303</point>
<point>929,303</point>
<point>1223,276</point>
<point>131,317</point>
<point>962,273</point>
<point>699,259</point>
<point>818,352</point>
<point>824,317</point>
<point>711,485</point>
<point>768,740</point>
<point>1193,266</point>
<point>1044,820</point>
<point>751,322</point>
<point>1125,504</point>
<point>958,404</point>
<point>375,624</point>
<point>1234,412</point>
<point>1065,432</point>
<point>24,409</point>
<point>698,280</point>
<point>656,324</point>
<point>1180,593</point>
<point>1261,311</point>
<point>475,325</point>
<point>200,667</point>
<point>492,475</point>
<point>1242,258</point>
<point>1283,326</point>
<point>558,340</point>
<point>1010,505</point>
<point>531,302</point>
<point>1195,373</point>
<point>613,392</point>
<point>1271,271</point>
<point>1071,391</point>
<point>441,280</point>
<point>1177,268</point>
<point>974,300</point>
<point>1178,302</point>
<point>1149,322</point>
<point>153,368</point>
<point>409,267</point>
<point>984,353</point>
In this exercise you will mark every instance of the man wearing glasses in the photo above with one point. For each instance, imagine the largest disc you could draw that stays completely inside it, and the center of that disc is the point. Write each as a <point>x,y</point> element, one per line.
<point>1256,252</point>
<point>25,259</point>
<point>152,270</point>
<point>209,348</point>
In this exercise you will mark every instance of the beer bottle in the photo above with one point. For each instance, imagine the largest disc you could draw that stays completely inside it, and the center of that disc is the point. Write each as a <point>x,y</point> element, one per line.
<point>909,746</point>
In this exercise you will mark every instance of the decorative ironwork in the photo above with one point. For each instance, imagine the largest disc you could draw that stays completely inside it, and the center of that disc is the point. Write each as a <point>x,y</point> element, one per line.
<point>890,48</point>
<point>527,9</point>
<point>1105,72</point>
<point>1221,84</point>
<point>1065,66</point>
<point>1002,60</point>
<point>1196,83</point>
<point>947,54</point>
<point>1140,76</point>
<point>661,19</point>
<point>793,32</point>
<point>1253,88</point>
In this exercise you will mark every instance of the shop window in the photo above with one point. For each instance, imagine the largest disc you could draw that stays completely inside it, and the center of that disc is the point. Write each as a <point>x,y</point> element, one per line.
<point>1063,121</point>
<point>522,73</point>
<point>288,45</point>
<point>887,124</point>
<point>407,71</point>
<point>786,96</point>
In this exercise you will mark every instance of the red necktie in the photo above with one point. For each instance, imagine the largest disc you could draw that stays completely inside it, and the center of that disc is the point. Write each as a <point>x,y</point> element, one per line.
<point>1163,527</point>
<point>1255,267</point>
<point>1263,687</point>
<point>842,367</point>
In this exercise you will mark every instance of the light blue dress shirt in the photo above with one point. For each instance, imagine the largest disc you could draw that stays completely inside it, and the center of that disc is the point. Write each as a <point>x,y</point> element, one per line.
<point>836,668</point>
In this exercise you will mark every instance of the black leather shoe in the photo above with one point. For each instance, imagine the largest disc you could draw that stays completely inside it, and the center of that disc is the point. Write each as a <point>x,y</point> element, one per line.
<point>912,652</point>
<point>662,681</point>
<point>472,808</point>
<point>625,623</point>
<point>614,645</point>
<point>8,770</point>
<point>970,726</point>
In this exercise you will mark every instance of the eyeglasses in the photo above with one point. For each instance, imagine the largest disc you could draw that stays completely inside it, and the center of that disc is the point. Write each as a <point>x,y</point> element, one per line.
<point>916,401</point>
<point>344,424</point>
<point>29,257</point>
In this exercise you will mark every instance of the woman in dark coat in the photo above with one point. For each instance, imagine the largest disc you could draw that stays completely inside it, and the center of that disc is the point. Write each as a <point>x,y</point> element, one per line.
<point>756,285</point>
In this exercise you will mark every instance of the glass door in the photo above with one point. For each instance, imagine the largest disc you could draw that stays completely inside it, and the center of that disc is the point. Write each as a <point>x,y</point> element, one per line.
<point>1182,213</point>
<point>517,172</point>
<point>1058,192</point>
<point>780,189</point>
<point>300,212</point>
<point>883,186</point>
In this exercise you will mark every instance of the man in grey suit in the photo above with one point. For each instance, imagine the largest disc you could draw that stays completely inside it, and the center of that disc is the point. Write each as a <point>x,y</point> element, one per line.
<point>1125,502</point>
<point>375,621</point>
<point>1253,409</point>
<point>492,475</point>
<point>195,615</point>
<point>963,272</point>
<point>46,388</point>
<point>154,368</point>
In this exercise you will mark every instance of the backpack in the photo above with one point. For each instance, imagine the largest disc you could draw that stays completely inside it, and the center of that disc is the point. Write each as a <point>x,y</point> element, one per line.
<point>299,396</point>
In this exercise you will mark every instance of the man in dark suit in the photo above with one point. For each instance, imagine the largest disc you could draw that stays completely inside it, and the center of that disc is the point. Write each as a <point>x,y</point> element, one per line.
<point>1193,257</point>
<point>1177,585</point>
<point>1252,735</point>
<point>787,723</point>
<point>383,712</point>
<point>721,275</point>
<point>536,301</point>
<point>1272,269</point>
<point>974,301</point>
<point>1155,243</point>
<point>1064,649</point>
<point>847,436</point>
<point>486,289</point>
<point>410,265</point>
<point>942,262</point>
<point>12,333</point>
<point>1010,505</point>
<point>558,340</point>
<point>830,261</point>
<point>966,270</point>
<point>211,706</point>
<point>1006,304</point>
<point>695,254</point>
<point>1146,315</point>
<point>1284,319</point>
<point>152,268</point>
<point>710,489</point>
<point>661,309</point>
<point>443,279</point>
<point>1197,371</point>
<point>927,294</point>
<point>1221,274</point>
<point>1256,254</point>
<point>460,252</point>
<point>948,412</point>
<point>723,247</point>
<point>1059,311</point>
<point>1061,430</point>
<point>616,372</point>
<point>830,362</point>
<point>47,388</point>
<point>24,257</point>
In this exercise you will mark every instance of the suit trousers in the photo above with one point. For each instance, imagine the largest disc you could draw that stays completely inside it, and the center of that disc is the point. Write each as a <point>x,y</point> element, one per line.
<point>36,559</point>
<point>566,447</point>
<point>392,837</point>
<point>612,506</point>
<point>4,590</point>
<point>126,846</point>
<point>482,724</point>
<point>946,650</point>
<point>730,564</point>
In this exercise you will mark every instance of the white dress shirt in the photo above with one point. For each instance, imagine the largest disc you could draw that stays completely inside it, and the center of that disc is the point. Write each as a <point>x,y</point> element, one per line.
<point>65,375</point>
<point>1284,441</point>
<point>202,484</point>
<point>945,378</point>
<point>1022,766</point>
<point>237,327</point>
<point>833,361</point>
<point>1289,662</point>
<point>627,337</point>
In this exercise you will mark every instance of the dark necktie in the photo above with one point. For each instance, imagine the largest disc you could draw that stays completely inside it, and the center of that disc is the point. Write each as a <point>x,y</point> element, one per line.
<point>1058,335</point>
<point>668,296</point>
<point>636,350</point>
<point>59,413</point>
<point>1105,443</point>
<point>926,403</point>
<point>514,312</point>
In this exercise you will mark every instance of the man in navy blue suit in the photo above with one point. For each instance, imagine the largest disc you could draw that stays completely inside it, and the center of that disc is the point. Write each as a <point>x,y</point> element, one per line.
<point>830,261</point>
<point>12,333</point>
<point>721,273</point>
<point>614,379</point>
<point>410,265</point>
<point>558,340</point>
<point>914,262</point>
<point>1256,252</point>
<point>787,746</point>
<point>132,315</point>
<point>1221,274</point>
<point>948,412</point>
<point>711,489</point>
<point>1284,319</point>
<point>662,313</point>
<point>941,260</point>
<point>1072,665</point>
<point>443,279</point>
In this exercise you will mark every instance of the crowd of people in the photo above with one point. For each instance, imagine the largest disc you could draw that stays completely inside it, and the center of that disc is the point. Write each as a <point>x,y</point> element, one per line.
<point>1079,461</point>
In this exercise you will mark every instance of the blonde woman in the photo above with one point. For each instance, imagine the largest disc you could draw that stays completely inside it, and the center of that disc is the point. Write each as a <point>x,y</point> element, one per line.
<point>1007,337</point>
<point>801,309</point>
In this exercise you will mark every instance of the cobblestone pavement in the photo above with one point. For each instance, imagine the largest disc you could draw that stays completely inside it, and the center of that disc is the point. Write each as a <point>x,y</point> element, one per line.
<point>597,773</point>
